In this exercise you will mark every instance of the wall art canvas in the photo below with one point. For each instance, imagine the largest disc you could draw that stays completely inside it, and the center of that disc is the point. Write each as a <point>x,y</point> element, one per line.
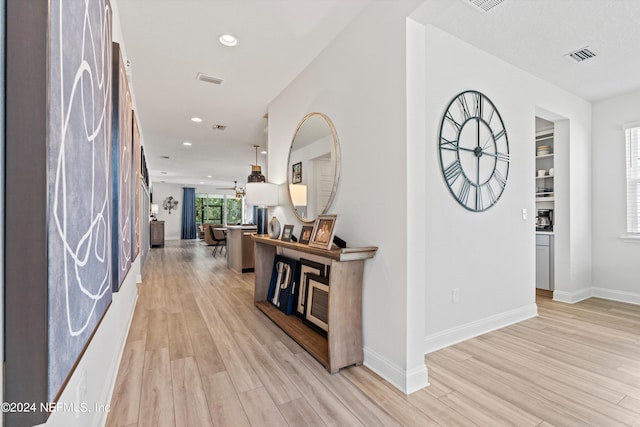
<point>80,208</point>
<point>137,166</point>
<point>122,171</point>
<point>283,279</point>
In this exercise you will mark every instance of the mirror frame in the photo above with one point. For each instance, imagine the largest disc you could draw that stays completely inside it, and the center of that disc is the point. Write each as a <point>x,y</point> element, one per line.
<point>336,174</point>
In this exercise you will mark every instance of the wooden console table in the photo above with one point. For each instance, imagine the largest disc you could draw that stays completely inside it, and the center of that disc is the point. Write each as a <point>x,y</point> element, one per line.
<point>343,344</point>
<point>156,233</point>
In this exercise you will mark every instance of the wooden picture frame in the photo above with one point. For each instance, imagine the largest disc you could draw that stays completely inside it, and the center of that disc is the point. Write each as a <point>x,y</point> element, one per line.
<point>305,234</point>
<point>323,232</point>
<point>296,173</point>
<point>287,232</point>
<point>307,267</point>
<point>317,302</point>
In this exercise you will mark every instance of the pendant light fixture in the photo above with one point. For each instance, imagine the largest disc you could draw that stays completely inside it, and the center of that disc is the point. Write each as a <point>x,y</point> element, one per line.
<point>260,194</point>
<point>256,171</point>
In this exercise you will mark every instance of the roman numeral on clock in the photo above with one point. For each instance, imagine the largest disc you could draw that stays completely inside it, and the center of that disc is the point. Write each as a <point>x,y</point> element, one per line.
<point>452,172</point>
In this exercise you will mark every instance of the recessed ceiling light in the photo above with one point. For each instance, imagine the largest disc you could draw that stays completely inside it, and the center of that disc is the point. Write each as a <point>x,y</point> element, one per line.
<point>263,152</point>
<point>201,182</point>
<point>187,143</point>
<point>196,119</point>
<point>209,176</point>
<point>228,40</point>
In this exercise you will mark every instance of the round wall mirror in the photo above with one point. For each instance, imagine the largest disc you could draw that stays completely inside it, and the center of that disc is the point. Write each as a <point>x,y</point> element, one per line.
<point>313,167</point>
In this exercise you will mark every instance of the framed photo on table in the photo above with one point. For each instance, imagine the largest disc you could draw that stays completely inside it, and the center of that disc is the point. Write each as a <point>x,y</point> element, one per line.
<point>287,232</point>
<point>305,234</point>
<point>323,231</point>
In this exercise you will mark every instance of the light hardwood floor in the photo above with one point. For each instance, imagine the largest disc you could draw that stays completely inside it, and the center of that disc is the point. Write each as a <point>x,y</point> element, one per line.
<point>199,354</point>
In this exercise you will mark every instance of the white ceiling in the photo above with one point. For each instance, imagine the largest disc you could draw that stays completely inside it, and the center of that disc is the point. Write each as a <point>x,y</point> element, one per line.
<point>169,41</point>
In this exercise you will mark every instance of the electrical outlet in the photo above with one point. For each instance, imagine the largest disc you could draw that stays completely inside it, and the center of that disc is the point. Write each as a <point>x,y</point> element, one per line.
<point>455,295</point>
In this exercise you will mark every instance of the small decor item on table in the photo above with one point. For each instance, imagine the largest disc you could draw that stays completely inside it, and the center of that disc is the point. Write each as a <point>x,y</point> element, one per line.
<point>169,203</point>
<point>305,234</point>
<point>283,279</point>
<point>274,228</point>
<point>317,302</point>
<point>296,173</point>
<point>287,233</point>
<point>307,267</point>
<point>323,231</point>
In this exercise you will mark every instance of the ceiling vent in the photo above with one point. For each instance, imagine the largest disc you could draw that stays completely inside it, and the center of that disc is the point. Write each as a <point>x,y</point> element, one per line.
<point>485,5</point>
<point>581,54</point>
<point>219,127</point>
<point>209,79</point>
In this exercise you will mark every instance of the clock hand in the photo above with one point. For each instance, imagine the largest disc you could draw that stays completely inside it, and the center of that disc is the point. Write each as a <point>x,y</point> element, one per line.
<point>486,141</point>
<point>472,150</point>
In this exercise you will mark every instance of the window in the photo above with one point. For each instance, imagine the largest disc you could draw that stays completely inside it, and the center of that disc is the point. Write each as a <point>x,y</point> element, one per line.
<point>234,211</point>
<point>218,209</point>
<point>633,178</point>
<point>209,208</point>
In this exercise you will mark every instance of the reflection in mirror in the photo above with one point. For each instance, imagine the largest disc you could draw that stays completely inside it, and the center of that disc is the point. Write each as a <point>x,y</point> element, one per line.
<point>313,167</point>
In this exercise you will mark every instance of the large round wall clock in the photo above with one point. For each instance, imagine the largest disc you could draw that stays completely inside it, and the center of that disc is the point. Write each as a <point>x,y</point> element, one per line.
<point>474,151</point>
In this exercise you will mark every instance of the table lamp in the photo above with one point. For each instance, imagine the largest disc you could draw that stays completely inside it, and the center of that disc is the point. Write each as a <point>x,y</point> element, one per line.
<point>263,195</point>
<point>154,212</point>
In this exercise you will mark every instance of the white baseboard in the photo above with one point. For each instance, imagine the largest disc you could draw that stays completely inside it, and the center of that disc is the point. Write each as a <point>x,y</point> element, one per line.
<point>461,333</point>
<point>572,297</point>
<point>407,381</point>
<point>615,295</point>
<point>605,293</point>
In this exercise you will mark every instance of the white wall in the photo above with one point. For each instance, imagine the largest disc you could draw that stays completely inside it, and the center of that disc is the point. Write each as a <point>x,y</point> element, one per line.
<point>616,269</point>
<point>173,221</point>
<point>490,256</point>
<point>359,82</point>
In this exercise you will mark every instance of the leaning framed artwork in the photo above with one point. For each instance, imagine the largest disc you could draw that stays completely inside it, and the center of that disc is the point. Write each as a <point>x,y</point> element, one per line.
<point>323,231</point>
<point>307,267</point>
<point>317,301</point>
<point>283,278</point>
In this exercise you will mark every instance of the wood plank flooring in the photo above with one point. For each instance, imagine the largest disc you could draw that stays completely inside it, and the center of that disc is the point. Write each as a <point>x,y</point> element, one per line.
<point>200,354</point>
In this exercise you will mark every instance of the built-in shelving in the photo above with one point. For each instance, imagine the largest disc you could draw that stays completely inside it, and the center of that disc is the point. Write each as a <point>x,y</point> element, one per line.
<point>545,184</point>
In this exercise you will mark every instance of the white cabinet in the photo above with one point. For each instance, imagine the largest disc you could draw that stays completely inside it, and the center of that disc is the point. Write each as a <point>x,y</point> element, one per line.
<point>544,261</point>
